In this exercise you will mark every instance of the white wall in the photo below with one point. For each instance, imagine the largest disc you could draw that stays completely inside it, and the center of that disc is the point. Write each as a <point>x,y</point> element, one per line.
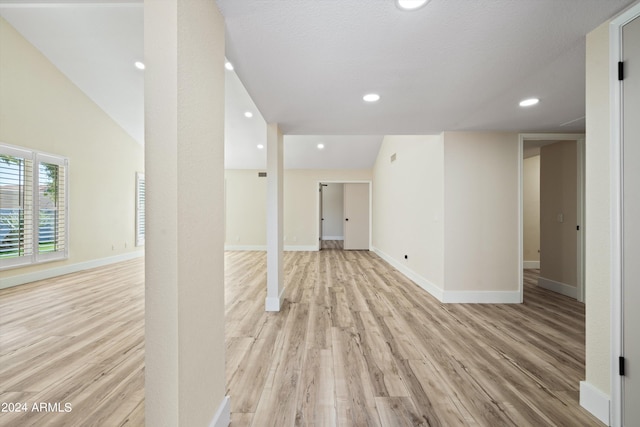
<point>531,212</point>
<point>408,206</point>
<point>450,204</point>
<point>246,215</point>
<point>481,212</point>
<point>301,206</point>
<point>333,211</point>
<point>184,269</point>
<point>597,205</point>
<point>42,110</point>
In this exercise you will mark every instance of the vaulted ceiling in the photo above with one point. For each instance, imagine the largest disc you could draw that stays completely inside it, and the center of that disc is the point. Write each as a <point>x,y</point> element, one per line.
<point>305,64</point>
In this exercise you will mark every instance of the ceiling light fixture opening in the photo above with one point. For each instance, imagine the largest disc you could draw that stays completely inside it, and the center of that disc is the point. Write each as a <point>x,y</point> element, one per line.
<point>529,102</point>
<point>139,65</point>
<point>260,146</point>
<point>371,97</point>
<point>321,146</point>
<point>411,4</point>
<point>228,65</point>
<point>248,114</point>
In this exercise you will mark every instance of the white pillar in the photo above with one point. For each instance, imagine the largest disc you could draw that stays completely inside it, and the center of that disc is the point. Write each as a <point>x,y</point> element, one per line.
<point>184,143</point>
<point>275,288</point>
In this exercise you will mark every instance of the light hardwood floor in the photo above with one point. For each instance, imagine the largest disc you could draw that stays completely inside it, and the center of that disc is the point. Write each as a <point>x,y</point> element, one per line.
<point>356,344</point>
<point>76,339</point>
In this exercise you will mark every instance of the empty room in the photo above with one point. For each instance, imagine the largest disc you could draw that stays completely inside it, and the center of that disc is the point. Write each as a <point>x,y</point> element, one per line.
<point>319,213</point>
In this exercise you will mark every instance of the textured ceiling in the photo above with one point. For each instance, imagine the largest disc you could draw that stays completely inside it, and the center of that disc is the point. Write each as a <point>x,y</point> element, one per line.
<point>452,65</point>
<point>305,64</point>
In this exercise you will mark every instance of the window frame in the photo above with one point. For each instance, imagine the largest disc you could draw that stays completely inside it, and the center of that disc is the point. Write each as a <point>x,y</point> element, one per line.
<point>36,158</point>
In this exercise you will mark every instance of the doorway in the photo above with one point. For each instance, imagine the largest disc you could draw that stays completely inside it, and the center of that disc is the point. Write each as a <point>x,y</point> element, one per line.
<point>331,215</point>
<point>344,215</point>
<point>552,212</point>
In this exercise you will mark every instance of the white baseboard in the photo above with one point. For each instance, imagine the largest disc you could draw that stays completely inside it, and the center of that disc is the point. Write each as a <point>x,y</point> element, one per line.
<point>482,297</point>
<point>21,279</point>
<point>222,418</point>
<point>559,287</point>
<point>274,303</point>
<point>459,297</point>
<point>332,237</point>
<point>595,401</point>
<point>425,284</point>
<point>531,264</point>
<point>261,248</point>
<point>301,248</point>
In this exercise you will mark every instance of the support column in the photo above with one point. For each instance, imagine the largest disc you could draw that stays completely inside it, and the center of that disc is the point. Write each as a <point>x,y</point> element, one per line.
<point>184,167</point>
<point>275,287</point>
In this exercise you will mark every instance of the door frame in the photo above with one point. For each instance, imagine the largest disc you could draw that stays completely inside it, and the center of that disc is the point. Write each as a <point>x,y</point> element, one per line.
<point>579,138</point>
<point>342,181</point>
<point>615,90</point>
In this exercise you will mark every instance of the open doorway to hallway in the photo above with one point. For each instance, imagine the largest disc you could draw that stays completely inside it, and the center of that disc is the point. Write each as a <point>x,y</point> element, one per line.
<point>552,206</point>
<point>344,215</point>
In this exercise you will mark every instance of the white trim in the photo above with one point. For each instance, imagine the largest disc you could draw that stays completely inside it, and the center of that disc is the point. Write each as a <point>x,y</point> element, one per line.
<point>425,284</point>
<point>332,237</point>
<point>616,317</point>
<point>482,297</point>
<point>260,248</point>
<point>301,248</point>
<point>530,264</point>
<point>559,287</point>
<point>274,304</point>
<point>581,208</point>
<point>222,418</point>
<point>520,265</point>
<point>8,282</point>
<point>595,401</point>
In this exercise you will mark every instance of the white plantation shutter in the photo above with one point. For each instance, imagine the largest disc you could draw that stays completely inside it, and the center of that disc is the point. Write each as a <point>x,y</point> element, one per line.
<point>16,207</point>
<point>140,211</point>
<point>33,207</point>
<point>51,208</point>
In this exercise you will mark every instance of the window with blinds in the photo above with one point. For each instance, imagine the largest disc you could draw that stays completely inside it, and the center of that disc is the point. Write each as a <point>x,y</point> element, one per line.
<point>33,207</point>
<point>140,212</point>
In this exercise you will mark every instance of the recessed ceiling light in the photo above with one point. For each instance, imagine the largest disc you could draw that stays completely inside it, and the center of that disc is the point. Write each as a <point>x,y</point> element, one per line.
<point>529,102</point>
<point>260,146</point>
<point>139,65</point>
<point>371,97</point>
<point>248,114</point>
<point>320,146</point>
<point>228,65</point>
<point>411,4</point>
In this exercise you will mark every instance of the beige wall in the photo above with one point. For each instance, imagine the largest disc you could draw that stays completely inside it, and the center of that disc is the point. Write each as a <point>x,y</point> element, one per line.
<point>408,204</point>
<point>246,208</point>
<point>42,110</point>
<point>559,212</point>
<point>301,208</point>
<point>597,205</point>
<point>481,211</point>
<point>531,209</point>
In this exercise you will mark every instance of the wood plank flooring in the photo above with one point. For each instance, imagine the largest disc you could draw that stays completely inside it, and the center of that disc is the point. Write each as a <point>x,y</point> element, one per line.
<point>79,340</point>
<point>356,344</point>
